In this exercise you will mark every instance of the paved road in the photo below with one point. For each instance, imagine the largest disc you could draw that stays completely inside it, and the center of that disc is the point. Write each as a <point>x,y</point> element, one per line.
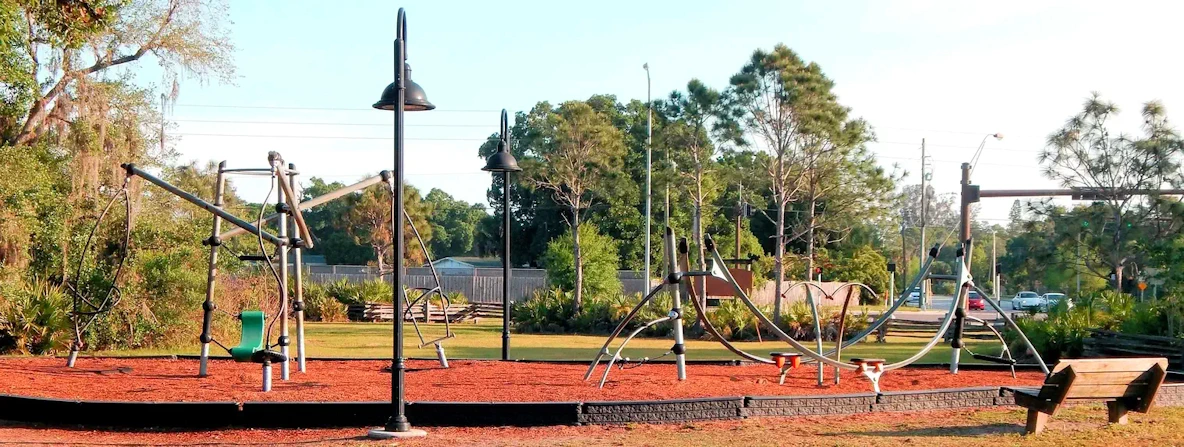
<point>940,304</point>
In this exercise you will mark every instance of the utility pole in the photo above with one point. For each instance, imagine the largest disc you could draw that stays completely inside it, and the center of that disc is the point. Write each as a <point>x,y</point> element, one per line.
<point>904,257</point>
<point>649,140</point>
<point>923,302</point>
<point>994,272</point>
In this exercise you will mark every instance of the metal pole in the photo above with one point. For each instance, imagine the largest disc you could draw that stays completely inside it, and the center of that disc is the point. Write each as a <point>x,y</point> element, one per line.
<point>922,301</point>
<point>282,232</point>
<point>649,134</point>
<point>208,306</point>
<point>133,170</point>
<point>298,272</point>
<point>960,292</point>
<point>506,264</point>
<point>398,420</point>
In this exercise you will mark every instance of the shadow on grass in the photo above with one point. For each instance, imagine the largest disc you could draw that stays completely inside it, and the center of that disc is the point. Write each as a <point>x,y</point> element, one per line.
<point>85,433</point>
<point>998,428</point>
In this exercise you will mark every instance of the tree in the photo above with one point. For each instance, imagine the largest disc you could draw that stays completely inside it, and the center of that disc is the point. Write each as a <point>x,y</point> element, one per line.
<point>332,241</point>
<point>368,222</point>
<point>694,155</point>
<point>572,158</point>
<point>786,103</point>
<point>82,39</point>
<point>1084,154</point>
<point>454,224</point>
<point>600,262</point>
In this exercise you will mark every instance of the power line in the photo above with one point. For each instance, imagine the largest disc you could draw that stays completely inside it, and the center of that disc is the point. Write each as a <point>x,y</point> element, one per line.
<point>959,147</point>
<point>233,106</point>
<point>326,137</point>
<point>301,123</point>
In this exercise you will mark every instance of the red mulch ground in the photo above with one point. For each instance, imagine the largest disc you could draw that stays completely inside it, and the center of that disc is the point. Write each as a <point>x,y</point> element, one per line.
<point>466,381</point>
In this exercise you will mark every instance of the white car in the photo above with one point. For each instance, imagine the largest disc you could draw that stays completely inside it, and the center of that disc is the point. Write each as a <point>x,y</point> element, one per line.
<point>1027,300</point>
<point>914,298</point>
<point>1052,299</point>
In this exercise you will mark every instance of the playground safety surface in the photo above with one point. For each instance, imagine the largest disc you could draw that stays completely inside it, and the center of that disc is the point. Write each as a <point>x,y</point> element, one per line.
<point>175,380</point>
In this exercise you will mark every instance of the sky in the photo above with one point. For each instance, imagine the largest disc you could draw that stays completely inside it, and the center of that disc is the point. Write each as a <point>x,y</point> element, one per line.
<point>946,72</point>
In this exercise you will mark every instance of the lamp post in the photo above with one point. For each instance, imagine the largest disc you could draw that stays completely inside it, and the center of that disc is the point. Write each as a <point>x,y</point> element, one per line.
<point>503,161</point>
<point>401,95</point>
<point>649,144</point>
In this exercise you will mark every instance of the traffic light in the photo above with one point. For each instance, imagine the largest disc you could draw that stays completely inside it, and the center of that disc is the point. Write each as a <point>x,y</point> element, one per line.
<point>817,271</point>
<point>891,267</point>
<point>999,268</point>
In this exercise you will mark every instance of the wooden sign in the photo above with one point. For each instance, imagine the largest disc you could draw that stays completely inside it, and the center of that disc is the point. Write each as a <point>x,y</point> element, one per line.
<point>721,289</point>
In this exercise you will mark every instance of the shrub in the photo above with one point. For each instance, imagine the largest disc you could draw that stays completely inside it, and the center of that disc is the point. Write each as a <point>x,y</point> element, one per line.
<point>599,253</point>
<point>319,306</point>
<point>36,316</point>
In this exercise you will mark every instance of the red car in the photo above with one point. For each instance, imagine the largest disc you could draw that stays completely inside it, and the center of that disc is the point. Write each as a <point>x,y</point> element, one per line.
<point>975,301</point>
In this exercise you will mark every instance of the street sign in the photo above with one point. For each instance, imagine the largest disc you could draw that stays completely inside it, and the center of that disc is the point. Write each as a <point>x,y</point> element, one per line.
<point>1142,286</point>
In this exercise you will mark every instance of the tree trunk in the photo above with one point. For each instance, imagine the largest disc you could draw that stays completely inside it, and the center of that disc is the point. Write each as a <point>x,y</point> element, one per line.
<point>697,235</point>
<point>810,242</point>
<point>779,259</point>
<point>575,238</point>
<point>1118,277</point>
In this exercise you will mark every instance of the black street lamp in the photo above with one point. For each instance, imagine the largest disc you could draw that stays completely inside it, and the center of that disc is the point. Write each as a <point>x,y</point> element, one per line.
<point>401,95</point>
<point>503,161</point>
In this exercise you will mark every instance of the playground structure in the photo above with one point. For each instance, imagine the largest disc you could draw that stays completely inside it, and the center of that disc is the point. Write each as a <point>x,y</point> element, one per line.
<point>956,317</point>
<point>255,344</point>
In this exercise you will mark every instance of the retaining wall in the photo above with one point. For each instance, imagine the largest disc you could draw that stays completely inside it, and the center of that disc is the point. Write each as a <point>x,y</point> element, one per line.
<point>429,414</point>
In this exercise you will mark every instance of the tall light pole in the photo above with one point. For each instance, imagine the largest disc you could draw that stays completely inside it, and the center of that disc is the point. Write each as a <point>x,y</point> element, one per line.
<point>922,300</point>
<point>503,161</point>
<point>649,144</point>
<point>401,95</point>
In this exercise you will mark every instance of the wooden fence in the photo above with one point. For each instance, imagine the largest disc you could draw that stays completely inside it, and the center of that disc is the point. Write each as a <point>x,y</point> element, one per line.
<point>481,285</point>
<point>1113,344</point>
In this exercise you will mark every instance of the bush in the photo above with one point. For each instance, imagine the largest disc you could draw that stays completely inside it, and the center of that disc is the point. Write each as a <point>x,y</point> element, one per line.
<point>319,306</point>
<point>553,311</point>
<point>599,253</point>
<point>36,317</point>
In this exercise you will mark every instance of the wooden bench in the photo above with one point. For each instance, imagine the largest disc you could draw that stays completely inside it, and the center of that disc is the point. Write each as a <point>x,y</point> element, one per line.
<point>1124,384</point>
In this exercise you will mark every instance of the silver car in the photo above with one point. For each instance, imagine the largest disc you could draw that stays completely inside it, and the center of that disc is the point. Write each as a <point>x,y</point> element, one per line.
<point>1051,300</point>
<point>1027,300</point>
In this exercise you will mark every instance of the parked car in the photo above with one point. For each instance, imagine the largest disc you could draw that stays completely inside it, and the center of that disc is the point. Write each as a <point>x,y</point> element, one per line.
<point>914,298</point>
<point>975,301</point>
<point>1051,299</point>
<point>1027,300</point>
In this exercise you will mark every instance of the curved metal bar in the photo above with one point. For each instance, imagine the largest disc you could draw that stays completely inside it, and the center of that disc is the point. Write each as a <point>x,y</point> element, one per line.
<point>621,327</point>
<point>963,278</point>
<point>617,355</point>
<point>1006,350</point>
<point>772,327</point>
<point>887,315</point>
<point>684,263</point>
<point>1023,337</point>
<point>113,295</point>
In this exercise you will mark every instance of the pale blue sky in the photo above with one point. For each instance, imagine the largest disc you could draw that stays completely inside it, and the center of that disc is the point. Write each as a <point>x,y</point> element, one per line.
<point>950,72</point>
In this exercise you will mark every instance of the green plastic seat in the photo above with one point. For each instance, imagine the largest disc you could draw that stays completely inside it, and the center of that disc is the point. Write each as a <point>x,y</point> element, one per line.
<point>252,336</point>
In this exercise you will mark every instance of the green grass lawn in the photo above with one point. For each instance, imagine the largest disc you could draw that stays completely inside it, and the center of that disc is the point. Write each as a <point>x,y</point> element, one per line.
<point>484,341</point>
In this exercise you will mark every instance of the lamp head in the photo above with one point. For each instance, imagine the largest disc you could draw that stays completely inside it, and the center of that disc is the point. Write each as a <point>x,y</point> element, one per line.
<point>414,98</point>
<point>502,160</point>
<point>998,136</point>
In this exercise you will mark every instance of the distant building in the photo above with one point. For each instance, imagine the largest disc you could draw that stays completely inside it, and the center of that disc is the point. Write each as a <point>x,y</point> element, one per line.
<point>464,265</point>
